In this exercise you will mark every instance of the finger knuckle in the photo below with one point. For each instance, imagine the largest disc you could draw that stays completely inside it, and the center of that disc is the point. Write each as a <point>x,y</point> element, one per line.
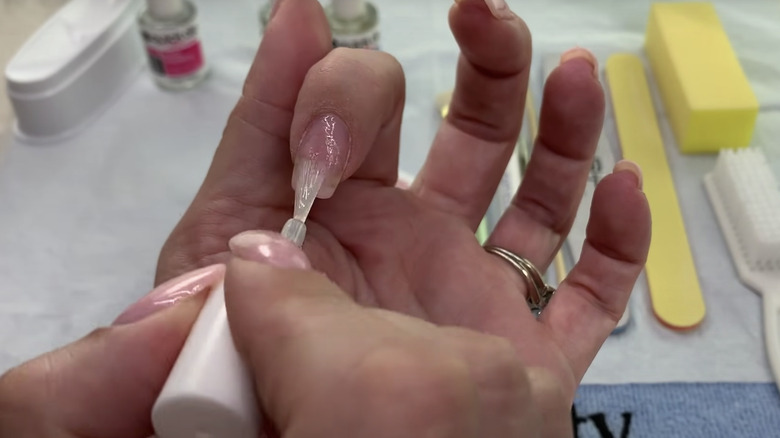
<point>315,302</point>
<point>378,72</point>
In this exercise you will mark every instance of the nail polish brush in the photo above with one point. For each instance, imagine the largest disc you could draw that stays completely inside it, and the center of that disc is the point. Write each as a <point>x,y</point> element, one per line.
<point>210,392</point>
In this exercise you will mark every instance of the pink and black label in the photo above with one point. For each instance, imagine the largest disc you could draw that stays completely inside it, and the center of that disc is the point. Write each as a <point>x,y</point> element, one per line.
<point>175,52</point>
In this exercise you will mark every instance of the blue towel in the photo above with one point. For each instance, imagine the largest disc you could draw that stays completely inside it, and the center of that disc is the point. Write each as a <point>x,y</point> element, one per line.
<point>690,410</point>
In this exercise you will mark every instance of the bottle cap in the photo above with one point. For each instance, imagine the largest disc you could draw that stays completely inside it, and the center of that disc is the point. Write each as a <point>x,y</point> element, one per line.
<point>348,9</point>
<point>165,8</point>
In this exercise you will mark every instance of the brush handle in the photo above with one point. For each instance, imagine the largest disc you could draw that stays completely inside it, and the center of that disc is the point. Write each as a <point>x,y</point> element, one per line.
<point>209,391</point>
<point>772,332</point>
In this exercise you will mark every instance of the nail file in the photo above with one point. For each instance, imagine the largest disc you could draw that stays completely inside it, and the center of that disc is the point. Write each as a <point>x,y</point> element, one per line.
<point>603,163</point>
<point>674,286</point>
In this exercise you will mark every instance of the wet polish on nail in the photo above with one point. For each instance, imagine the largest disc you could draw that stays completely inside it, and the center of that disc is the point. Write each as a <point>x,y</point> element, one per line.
<point>171,292</point>
<point>321,157</point>
<point>268,248</point>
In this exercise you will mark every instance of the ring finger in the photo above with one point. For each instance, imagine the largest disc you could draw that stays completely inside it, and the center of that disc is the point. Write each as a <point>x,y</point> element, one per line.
<point>545,205</point>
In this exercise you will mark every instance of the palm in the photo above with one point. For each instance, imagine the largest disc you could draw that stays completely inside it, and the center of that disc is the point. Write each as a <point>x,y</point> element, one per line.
<point>389,249</point>
<point>414,251</point>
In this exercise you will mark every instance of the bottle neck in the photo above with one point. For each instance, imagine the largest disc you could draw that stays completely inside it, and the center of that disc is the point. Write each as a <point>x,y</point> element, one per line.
<point>166,9</point>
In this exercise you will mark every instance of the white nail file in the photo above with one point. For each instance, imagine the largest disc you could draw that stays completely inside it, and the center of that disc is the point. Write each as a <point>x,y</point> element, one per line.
<point>603,163</point>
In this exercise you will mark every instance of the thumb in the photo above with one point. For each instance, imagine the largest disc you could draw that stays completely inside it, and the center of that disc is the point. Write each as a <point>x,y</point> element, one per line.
<point>106,383</point>
<point>284,318</point>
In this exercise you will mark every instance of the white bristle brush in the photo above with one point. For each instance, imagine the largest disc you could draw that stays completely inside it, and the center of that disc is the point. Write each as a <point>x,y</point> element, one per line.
<point>746,198</point>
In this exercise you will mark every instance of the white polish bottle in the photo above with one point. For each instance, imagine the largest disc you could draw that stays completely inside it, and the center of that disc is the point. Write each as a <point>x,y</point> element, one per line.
<point>354,24</point>
<point>170,33</point>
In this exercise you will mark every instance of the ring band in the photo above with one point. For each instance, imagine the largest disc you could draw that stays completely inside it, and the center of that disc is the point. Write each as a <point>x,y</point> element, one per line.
<point>539,292</point>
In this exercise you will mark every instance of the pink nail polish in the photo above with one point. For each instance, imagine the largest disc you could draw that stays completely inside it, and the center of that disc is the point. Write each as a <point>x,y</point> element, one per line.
<point>322,156</point>
<point>171,292</point>
<point>268,248</point>
<point>584,54</point>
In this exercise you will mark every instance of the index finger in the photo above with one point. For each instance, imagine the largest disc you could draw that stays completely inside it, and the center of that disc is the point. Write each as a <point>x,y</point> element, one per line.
<point>251,169</point>
<point>483,123</point>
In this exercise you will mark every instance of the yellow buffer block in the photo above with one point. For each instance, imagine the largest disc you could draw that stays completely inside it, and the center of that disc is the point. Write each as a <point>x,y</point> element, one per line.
<point>671,274</point>
<point>707,97</point>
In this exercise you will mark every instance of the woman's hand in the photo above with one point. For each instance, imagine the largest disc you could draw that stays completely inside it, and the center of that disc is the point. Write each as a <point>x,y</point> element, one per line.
<point>323,365</point>
<point>413,251</point>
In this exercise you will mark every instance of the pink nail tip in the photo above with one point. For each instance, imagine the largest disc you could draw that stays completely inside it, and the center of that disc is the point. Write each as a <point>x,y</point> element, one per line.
<point>171,292</point>
<point>268,248</point>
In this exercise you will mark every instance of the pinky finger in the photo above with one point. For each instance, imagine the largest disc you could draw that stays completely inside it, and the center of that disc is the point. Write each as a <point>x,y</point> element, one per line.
<point>591,300</point>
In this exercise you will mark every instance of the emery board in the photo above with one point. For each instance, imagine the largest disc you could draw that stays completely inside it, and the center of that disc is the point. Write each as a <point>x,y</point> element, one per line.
<point>671,274</point>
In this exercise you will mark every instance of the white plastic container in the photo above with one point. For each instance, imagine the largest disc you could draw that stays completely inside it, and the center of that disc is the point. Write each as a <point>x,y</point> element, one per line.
<point>76,64</point>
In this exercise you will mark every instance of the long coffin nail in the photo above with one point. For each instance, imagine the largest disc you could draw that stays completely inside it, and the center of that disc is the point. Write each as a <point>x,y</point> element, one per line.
<point>268,248</point>
<point>171,292</point>
<point>322,156</point>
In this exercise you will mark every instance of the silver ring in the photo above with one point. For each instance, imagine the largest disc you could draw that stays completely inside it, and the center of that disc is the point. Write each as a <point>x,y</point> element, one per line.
<point>539,292</point>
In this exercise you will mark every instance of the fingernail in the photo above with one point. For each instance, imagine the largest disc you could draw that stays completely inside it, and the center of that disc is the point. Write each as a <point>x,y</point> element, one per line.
<point>322,153</point>
<point>268,248</point>
<point>580,53</point>
<point>632,167</point>
<point>172,292</point>
<point>499,8</point>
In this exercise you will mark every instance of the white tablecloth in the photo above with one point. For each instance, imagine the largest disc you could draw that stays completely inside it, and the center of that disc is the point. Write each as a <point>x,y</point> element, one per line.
<point>81,222</point>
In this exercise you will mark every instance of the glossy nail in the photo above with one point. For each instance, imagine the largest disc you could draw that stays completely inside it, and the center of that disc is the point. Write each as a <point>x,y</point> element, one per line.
<point>268,248</point>
<point>172,292</point>
<point>584,54</point>
<point>322,156</point>
<point>627,165</point>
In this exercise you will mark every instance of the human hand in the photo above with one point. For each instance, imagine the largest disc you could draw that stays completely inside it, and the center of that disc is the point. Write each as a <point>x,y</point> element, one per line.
<point>413,251</point>
<point>104,385</point>
<point>323,365</point>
